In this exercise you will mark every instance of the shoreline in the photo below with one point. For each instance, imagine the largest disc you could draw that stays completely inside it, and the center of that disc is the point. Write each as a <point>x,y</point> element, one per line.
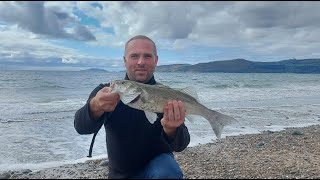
<point>289,153</point>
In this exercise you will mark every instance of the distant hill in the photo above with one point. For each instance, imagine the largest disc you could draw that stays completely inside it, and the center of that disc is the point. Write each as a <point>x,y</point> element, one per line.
<point>246,66</point>
<point>95,70</point>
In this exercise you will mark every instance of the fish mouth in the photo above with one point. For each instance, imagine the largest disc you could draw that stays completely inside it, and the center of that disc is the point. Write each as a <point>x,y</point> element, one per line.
<point>112,84</point>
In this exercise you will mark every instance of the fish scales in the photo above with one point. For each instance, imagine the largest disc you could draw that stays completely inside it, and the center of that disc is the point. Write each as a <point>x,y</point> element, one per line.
<point>152,98</point>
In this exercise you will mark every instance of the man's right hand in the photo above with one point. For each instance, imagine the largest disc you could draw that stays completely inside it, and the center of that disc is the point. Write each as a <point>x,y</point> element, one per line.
<point>104,101</point>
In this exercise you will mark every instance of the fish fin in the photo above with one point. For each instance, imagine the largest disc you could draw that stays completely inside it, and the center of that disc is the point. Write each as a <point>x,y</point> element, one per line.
<point>161,85</point>
<point>151,116</point>
<point>126,99</point>
<point>191,91</point>
<point>218,121</point>
<point>191,118</point>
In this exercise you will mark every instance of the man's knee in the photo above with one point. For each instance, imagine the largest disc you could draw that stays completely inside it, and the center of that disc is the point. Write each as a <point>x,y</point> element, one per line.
<point>169,168</point>
<point>167,173</point>
<point>175,173</point>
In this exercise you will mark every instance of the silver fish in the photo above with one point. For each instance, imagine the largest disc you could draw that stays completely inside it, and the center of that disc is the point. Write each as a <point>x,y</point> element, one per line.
<point>152,98</point>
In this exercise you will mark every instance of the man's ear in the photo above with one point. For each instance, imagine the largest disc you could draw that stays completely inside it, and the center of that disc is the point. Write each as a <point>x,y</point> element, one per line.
<point>125,62</point>
<point>156,60</point>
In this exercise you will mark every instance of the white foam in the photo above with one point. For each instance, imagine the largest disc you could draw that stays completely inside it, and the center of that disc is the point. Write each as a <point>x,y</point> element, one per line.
<point>40,166</point>
<point>45,118</point>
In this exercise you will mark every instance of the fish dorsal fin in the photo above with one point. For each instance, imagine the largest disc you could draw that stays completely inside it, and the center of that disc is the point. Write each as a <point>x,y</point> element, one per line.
<point>151,116</point>
<point>127,98</point>
<point>191,91</point>
<point>161,85</point>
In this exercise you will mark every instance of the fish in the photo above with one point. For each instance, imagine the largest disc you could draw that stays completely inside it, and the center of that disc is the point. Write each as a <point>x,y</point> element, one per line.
<point>152,98</point>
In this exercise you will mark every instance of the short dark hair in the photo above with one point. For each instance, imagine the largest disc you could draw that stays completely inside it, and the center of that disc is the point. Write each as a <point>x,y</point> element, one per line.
<point>140,37</point>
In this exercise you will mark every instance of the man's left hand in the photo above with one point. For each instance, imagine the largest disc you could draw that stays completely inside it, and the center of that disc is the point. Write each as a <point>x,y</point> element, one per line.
<point>173,116</point>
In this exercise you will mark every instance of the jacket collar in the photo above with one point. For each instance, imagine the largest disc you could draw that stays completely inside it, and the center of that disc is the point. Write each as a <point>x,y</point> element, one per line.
<point>152,81</point>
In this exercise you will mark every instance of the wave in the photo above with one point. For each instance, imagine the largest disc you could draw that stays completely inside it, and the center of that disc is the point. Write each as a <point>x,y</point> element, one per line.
<point>34,87</point>
<point>21,120</point>
<point>46,112</point>
<point>226,86</point>
<point>46,86</point>
<point>11,121</point>
<point>43,165</point>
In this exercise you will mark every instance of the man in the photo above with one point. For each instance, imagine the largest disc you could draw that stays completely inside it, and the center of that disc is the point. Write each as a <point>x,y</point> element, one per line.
<point>136,148</point>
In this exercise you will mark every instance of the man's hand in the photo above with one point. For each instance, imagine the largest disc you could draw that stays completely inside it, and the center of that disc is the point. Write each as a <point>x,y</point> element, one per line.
<point>173,117</point>
<point>104,101</point>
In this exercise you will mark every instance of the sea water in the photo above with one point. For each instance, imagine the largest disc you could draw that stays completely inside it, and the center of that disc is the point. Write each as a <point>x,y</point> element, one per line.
<point>37,110</point>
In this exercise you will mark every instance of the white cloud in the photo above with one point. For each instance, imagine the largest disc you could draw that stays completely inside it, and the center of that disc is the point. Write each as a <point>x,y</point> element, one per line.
<point>254,29</point>
<point>40,50</point>
<point>44,20</point>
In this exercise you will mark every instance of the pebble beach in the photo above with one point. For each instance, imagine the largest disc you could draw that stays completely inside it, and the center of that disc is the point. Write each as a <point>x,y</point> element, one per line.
<point>293,153</point>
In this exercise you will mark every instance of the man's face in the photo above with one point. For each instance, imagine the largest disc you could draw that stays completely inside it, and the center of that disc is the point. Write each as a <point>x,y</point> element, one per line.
<point>140,60</point>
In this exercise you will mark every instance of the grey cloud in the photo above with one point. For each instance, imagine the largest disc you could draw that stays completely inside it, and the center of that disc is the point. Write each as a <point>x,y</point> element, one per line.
<point>261,27</point>
<point>19,50</point>
<point>178,20</point>
<point>170,24</point>
<point>170,20</point>
<point>83,34</point>
<point>38,19</point>
<point>292,14</point>
<point>61,15</point>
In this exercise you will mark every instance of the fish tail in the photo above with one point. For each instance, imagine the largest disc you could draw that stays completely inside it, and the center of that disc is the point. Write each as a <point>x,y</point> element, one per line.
<point>218,121</point>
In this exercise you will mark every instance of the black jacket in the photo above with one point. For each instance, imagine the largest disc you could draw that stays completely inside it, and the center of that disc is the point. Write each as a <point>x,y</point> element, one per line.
<point>132,141</point>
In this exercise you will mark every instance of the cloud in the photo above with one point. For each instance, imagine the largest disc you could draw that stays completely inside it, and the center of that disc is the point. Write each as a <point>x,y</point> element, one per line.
<point>190,31</point>
<point>37,51</point>
<point>180,25</point>
<point>286,14</point>
<point>42,20</point>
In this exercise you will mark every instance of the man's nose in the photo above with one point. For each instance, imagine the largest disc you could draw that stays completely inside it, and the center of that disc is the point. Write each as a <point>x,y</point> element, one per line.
<point>141,60</point>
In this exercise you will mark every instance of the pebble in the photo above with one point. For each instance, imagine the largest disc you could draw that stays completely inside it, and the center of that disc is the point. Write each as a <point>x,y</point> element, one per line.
<point>234,157</point>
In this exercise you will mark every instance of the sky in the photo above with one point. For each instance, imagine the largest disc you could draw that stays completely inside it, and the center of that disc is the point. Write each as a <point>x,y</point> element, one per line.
<point>75,35</point>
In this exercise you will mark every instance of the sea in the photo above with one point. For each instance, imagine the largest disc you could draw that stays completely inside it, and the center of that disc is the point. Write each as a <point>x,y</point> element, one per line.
<point>37,110</point>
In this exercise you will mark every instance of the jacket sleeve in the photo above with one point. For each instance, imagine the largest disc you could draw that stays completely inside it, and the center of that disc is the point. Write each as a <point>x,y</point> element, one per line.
<point>180,141</point>
<point>83,123</point>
